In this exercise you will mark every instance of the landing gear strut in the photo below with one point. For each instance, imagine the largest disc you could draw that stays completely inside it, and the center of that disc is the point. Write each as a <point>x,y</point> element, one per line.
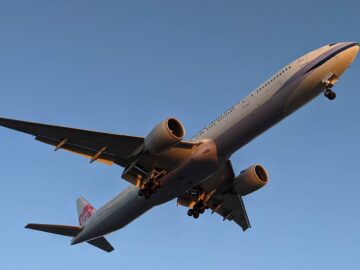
<point>196,200</point>
<point>329,82</point>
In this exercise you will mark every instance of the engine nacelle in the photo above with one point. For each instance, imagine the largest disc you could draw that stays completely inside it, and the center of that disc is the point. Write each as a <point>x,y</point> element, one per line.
<point>250,180</point>
<point>164,136</point>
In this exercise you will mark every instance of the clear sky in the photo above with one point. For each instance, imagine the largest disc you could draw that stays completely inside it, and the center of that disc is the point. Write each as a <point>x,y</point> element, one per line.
<point>124,66</point>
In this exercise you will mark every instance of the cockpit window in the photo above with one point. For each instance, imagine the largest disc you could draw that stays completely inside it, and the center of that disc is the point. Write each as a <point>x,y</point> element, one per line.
<point>332,44</point>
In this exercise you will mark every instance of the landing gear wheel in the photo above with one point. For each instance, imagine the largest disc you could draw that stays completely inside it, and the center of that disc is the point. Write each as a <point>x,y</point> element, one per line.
<point>190,212</point>
<point>330,94</point>
<point>196,214</point>
<point>202,211</point>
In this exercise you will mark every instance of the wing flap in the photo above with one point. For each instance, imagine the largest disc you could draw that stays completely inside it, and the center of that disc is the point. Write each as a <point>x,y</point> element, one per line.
<point>106,158</point>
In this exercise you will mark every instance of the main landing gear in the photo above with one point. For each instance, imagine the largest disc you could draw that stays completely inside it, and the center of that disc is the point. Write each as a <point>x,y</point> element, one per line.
<point>151,184</point>
<point>148,190</point>
<point>198,209</point>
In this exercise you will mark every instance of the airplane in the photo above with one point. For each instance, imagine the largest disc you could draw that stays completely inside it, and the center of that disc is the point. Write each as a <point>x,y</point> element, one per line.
<point>197,172</point>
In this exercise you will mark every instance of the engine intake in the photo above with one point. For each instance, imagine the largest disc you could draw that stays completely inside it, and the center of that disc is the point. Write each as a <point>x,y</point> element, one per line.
<point>164,136</point>
<point>250,180</point>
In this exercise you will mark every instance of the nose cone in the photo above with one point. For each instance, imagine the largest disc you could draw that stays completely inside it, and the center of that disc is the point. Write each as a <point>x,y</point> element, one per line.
<point>349,52</point>
<point>352,51</point>
<point>356,49</point>
<point>341,55</point>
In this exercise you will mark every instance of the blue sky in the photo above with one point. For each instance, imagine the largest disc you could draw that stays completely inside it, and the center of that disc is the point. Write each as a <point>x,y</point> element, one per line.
<point>122,67</point>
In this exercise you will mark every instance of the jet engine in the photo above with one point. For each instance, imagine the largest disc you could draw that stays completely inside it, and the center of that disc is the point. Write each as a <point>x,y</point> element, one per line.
<point>250,180</point>
<point>164,136</point>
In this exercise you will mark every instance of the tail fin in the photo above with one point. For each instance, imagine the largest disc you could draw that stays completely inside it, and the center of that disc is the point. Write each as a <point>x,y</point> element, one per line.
<point>84,209</point>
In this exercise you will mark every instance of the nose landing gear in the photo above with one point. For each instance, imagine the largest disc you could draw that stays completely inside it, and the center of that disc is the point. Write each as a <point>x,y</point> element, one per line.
<point>329,81</point>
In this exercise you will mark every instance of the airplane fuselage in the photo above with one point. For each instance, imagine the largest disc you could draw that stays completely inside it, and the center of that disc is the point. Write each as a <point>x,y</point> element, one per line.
<point>290,88</point>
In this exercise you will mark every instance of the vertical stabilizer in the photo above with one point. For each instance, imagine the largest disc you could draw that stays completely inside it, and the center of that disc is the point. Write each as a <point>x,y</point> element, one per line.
<point>84,209</point>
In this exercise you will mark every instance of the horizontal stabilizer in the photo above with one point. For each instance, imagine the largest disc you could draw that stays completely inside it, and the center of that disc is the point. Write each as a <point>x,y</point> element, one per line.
<point>56,229</point>
<point>101,243</point>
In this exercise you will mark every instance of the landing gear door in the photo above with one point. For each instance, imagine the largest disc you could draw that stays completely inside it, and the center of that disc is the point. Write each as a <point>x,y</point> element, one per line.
<point>302,61</point>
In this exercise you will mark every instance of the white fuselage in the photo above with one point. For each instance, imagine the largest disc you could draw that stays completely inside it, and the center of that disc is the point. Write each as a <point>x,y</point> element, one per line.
<point>289,89</point>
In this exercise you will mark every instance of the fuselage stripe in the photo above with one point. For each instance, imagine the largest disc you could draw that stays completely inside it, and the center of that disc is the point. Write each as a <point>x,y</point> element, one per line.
<point>323,61</point>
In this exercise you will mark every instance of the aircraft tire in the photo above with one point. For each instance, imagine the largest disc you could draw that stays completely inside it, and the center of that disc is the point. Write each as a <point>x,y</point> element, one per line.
<point>196,214</point>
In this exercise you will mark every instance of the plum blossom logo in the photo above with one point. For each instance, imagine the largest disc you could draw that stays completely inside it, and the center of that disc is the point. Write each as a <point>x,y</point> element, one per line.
<point>86,214</point>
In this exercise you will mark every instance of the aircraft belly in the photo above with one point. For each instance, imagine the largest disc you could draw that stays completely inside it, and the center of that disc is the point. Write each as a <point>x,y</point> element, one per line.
<point>128,206</point>
<point>119,212</point>
<point>127,211</point>
<point>203,162</point>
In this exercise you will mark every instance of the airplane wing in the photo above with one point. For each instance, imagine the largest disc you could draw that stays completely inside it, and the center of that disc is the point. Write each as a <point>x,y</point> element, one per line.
<point>223,200</point>
<point>230,207</point>
<point>97,146</point>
